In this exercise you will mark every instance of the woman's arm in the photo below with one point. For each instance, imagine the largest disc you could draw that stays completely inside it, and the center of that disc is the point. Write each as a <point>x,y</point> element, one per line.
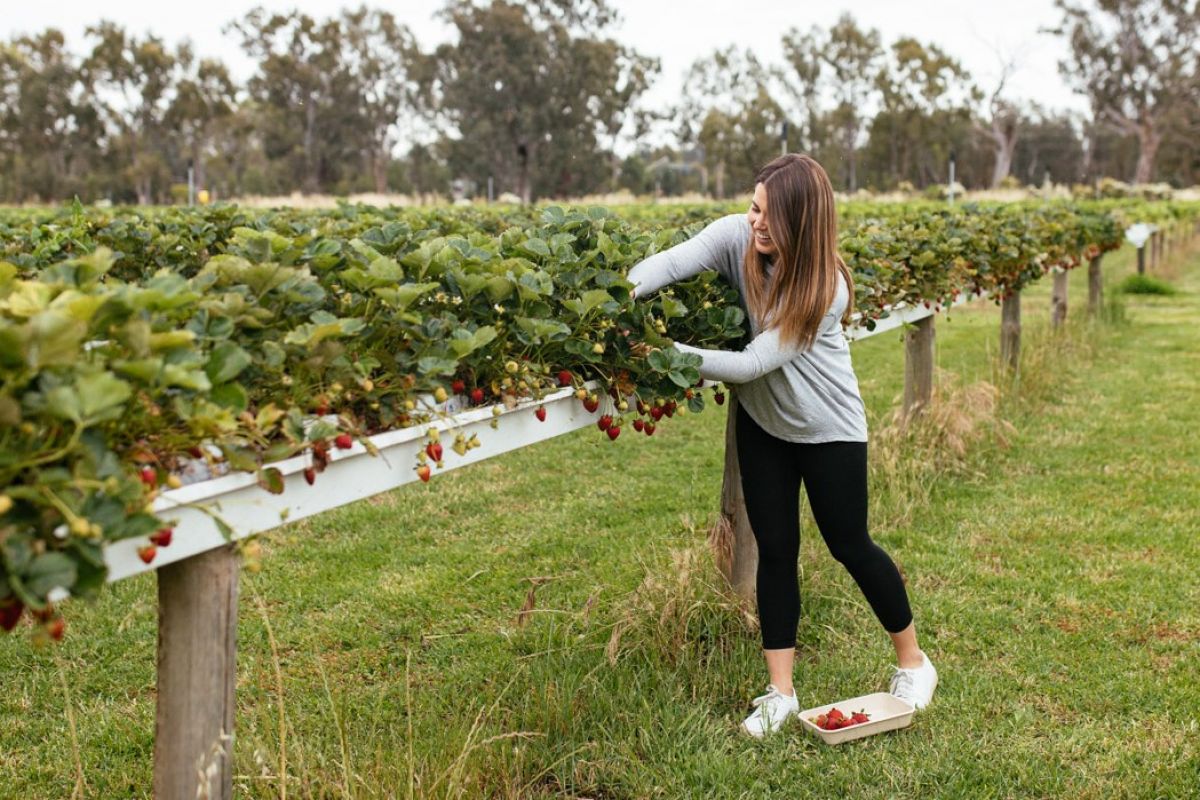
<point>766,352</point>
<point>711,248</point>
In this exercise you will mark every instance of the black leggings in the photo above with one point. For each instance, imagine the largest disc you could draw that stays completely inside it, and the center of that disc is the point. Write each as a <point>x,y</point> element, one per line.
<point>835,476</point>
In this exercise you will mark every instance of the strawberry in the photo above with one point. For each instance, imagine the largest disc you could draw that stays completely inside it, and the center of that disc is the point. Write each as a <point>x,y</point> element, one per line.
<point>477,395</point>
<point>859,717</point>
<point>57,628</point>
<point>564,378</point>
<point>540,413</point>
<point>344,441</point>
<point>10,613</point>
<point>434,450</point>
<point>195,452</point>
<point>638,425</point>
<point>591,404</point>
<point>669,408</point>
<point>719,398</point>
<point>641,407</point>
<point>689,394</point>
<point>149,476</point>
<point>821,721</point>
<point>458,387</point>
<point>649,429</point>
<point>162,537</point>
<point>322,408</point>
<point>604,422</point>
<point>423,472</point>
<point>836,714</point>
<point>147,553</point>
<point>613,432</point>
<point>310,475</point>
<point>656,412</point>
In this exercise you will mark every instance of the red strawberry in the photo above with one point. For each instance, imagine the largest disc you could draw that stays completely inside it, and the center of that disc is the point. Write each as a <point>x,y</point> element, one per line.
<point>564,378</point>
<point>434,450</point>
<point>656,412</point>
<point>641,407</point>
<point>57,628</point>
<point>540,413</point>
<point>614,431</point>
<point>149,476</point>
<point>162,537</point>
<point>310,475</point>
<point>836,714</point>
<point>458,387</point>
<point>591,405</point>
<point>10,613</point>
<point>195,452</point>
<point>477,395</point>
<point>689,394</point>
<point>147,553</point>
<point>719,398</point>
<point>649,429</point>
<point>322,408</point>
<point>604,422</point>
<point>344,441</point>
<point>423,472</point>
<point>669,408</point>
<point>859,717</point>
<point>638,425</point>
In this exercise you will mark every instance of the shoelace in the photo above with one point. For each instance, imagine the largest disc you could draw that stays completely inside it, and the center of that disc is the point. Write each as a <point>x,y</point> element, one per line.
<point>902,682</point>
<point>771,692</point>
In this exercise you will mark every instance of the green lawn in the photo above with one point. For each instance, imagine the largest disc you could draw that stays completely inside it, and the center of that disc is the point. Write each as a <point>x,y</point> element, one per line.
<point>1054,583</point>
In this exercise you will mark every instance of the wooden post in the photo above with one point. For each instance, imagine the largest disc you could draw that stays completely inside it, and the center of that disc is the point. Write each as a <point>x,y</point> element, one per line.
<point>1095,287</point>
<point>1142,260</point>
<point>918,366</point>
<point>1058,299</point>
<point>197,673</point>
<point>1010,330</point>
<point>731,537</point>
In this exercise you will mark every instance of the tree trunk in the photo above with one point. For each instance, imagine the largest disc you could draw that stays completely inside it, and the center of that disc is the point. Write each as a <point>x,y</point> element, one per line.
<point>379,170</point>
<point>1095,287</point>
<point>1010,330</point>
<point>731,538</point>
<point>918,367</point>
<point>720,180</point>
<point>1058,299</point>
<point>197,674</point>
<point>1005,145</point>
<point>312,182</point>
<point>1148,142</point>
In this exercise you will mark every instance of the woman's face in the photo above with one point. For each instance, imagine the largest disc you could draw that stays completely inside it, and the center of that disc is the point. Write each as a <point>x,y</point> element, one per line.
<point>757,215</point>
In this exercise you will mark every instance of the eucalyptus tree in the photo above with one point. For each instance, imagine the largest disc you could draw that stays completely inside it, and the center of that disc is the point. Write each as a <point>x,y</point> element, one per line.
<point>528,90</point>
<point>1137,63</point>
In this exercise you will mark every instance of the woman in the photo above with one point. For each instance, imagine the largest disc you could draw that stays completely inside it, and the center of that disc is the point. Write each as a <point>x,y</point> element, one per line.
<point>800,416</point>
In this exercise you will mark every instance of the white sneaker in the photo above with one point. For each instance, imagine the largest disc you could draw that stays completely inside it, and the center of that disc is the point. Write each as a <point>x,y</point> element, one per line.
<point>915,686</point>
<point>773,709</point>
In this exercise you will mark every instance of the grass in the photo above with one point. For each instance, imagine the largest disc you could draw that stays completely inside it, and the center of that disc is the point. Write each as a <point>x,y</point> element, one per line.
<point>1046,528</point>
<point>1145,284</point>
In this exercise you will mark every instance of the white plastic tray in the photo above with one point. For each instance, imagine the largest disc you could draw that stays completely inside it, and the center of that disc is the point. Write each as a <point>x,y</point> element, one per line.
<point>887,713</point>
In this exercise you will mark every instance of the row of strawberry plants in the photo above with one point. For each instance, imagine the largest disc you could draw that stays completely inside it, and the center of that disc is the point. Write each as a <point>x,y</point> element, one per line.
<point>221,337</point>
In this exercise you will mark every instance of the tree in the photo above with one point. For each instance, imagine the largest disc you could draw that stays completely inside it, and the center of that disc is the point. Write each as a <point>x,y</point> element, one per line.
<point>48,131</point>
<point>730,111</point>
<point>131,79</point>
<point>1136,61</point>
<point>204,95</point>
<point>1001,126</point>
<point>527,85</point>
<point>379,57</point>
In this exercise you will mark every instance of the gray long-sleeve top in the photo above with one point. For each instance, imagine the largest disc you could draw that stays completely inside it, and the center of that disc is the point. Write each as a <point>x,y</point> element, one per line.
<point>797,395</point>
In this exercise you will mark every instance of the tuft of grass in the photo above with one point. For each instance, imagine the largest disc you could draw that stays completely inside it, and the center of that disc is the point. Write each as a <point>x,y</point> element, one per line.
<point>1146,284</point>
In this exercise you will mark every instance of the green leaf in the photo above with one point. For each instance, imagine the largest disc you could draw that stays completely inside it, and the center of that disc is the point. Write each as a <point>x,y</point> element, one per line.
<point>48,571</point>
<point>463,342</point>
<point>271,479</point>
<point>101,394</point>
<point>226,362</point>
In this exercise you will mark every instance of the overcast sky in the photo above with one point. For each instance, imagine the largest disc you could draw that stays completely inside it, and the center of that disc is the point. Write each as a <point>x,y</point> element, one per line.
<point>977,34</point>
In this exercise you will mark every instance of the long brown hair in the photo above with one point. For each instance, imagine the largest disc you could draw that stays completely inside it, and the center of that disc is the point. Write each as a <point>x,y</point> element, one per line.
<point>802,220</point>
